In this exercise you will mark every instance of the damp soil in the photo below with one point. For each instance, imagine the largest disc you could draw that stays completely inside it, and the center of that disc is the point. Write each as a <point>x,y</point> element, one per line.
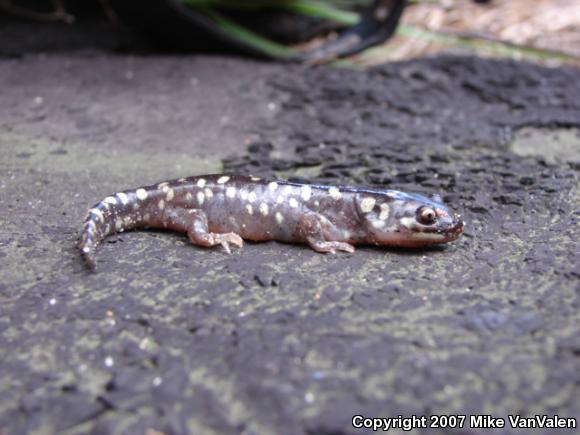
<point>274,338</point>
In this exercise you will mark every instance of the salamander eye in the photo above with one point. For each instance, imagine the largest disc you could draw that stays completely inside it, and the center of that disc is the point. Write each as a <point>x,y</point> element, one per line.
<point>427,216</point>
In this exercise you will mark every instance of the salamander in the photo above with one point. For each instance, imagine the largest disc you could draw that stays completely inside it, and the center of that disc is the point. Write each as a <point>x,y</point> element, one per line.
<point>224,209</point>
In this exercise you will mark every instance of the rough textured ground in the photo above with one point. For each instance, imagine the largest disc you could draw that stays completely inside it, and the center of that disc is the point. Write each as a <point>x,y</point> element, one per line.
<point>276,339</point>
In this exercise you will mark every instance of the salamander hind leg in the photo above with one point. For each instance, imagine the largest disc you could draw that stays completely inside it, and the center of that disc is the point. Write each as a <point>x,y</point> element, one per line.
<point>194,222</point>
<point>316,229</point>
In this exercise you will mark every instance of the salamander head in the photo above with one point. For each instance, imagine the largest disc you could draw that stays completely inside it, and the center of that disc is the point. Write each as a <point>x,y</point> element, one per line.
<point>408,220</point>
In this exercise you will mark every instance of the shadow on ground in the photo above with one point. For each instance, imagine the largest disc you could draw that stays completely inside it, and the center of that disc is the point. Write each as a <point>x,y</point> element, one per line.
<point>276,338</point>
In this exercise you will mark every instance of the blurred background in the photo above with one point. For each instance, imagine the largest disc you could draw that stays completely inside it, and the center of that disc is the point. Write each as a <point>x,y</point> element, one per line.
<point>545,31</point>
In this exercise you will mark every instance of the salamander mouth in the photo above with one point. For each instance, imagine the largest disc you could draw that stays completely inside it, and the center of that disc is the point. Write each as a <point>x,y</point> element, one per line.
<point>427,237</point>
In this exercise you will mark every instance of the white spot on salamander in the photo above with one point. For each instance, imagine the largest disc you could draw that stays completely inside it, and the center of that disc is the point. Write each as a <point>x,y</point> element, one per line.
<point>250,209</point>
<point>124,199</point>
<point>385,210</point>
<point>161,204</point>
<point>273,186</point>
<point>201,183</point>
<point>252,197</point>
<point>110,200</point>
<point>378,224</point>
<point>222,180</point>
<point>264,209</point>
<point>334,193</point>
<point>305,193</point>
<point>118,224</point>
<point>255,178</point>
<point>188,196</point>
<point>208,193</point>
<point>162,185</point>
<point>98,213</point>
<point>279,218</point>
<point>367,204</point>
<point>169,195</point>
<point>280,199</point>
<point>200,198</point>
<point>231,192</point>
<point>141,194</point>
<point>408,222</point>
<point>293,203</point>
<point>244,195</point>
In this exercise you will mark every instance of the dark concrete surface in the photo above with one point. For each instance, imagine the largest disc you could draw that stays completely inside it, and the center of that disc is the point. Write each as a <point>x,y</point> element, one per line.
<point>276,339</point>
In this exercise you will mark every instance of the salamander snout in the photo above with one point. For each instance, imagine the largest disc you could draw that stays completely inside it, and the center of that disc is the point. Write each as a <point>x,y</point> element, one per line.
<point>456,228</point>
<point>420,222</point>
<point>438,219</point>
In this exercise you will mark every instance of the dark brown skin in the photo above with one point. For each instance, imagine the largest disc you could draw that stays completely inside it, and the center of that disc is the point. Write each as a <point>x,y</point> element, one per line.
<point>225,209</point>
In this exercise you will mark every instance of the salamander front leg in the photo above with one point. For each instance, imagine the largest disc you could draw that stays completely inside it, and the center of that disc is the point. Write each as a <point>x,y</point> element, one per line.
<point>194,222</point>
<point>313,228</point>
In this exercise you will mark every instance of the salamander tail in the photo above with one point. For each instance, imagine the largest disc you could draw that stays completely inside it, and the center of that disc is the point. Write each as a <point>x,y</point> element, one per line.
<point>112,215</point>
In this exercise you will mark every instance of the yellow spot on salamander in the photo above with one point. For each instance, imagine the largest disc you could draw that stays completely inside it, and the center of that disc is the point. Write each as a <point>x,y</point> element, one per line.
<point>408,222</point>
<point>367,204</point>
<point>169,195</point>
<point>334,193</point>
<point>161,204</point>
<point>222,180</point>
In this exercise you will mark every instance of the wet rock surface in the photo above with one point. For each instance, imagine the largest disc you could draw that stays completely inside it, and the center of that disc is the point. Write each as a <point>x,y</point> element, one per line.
<point>276,338</point>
